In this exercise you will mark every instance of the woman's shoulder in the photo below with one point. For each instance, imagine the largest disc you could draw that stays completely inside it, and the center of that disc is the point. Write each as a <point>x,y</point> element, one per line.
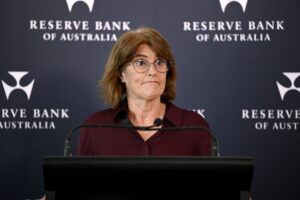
<point>103,116</point>
<point>185,116</point>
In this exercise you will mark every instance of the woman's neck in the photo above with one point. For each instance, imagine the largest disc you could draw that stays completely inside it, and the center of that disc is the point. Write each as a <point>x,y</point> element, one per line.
<point>143,113</point>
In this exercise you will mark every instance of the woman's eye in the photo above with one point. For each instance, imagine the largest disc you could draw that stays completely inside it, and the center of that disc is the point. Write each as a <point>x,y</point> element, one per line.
<point>140,62</point>
<point>159,62</point>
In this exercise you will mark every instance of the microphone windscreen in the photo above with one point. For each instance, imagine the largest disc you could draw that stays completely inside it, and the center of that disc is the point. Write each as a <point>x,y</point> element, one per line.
<point>157,122</point>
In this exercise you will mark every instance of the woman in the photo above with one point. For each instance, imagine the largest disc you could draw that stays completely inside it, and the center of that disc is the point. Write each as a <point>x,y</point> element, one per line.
<point>139,84</point>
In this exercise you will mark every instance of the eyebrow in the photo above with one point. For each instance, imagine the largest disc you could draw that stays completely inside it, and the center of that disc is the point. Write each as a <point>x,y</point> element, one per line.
<point>143,55</point>
<point>140,55</point>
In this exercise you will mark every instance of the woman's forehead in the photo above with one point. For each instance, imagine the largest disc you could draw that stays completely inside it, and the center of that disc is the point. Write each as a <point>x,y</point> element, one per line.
<point>145,51</point>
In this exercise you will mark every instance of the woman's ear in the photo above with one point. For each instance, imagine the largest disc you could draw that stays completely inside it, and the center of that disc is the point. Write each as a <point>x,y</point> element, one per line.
<point>122,77</point>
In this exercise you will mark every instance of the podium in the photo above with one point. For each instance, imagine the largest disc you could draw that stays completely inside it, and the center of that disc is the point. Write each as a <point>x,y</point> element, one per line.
<point>111,178</point>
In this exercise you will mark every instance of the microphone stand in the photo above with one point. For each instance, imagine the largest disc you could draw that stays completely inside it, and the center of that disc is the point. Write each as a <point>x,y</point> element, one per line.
<point>67,147</point>
<point>157,122</point>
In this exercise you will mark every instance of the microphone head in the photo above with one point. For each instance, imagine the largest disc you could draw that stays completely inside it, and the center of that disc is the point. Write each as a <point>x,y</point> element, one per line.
<point>157,122</point>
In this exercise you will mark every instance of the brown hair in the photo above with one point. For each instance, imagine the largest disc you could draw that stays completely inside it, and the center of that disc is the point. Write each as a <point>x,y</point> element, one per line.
<point>113,90</point>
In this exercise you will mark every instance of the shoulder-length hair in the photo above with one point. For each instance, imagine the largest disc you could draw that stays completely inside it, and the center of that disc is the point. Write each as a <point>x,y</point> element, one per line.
<point>113,90</point>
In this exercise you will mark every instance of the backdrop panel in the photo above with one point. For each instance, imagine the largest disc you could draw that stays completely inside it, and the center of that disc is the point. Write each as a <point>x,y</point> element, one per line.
<point>238,65</point>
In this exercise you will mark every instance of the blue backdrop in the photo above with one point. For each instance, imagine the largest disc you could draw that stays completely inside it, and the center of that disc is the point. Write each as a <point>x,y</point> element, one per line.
<point>238,65</point>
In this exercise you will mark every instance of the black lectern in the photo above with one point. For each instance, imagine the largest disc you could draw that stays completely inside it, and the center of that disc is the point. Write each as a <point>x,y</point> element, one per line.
<point>92,178</point>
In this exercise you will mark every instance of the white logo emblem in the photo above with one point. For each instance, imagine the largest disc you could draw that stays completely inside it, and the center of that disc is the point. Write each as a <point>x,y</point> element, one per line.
<point>89,3</point>
<point>224,4</point>
<point>292,76</point>
<point>18,76</point>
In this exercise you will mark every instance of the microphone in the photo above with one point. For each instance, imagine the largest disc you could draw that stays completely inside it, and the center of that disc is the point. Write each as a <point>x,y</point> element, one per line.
<point>157,122</point>
<point>67,148</point>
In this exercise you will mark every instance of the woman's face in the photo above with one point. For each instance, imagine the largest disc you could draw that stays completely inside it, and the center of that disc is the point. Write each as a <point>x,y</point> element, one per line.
<point>144,86</point>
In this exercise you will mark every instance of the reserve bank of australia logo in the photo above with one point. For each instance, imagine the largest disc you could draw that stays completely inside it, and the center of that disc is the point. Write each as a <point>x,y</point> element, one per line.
<point>89,3</point>
<point>8,89</point>
<point>292,76</point>
<point>224,4</point>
